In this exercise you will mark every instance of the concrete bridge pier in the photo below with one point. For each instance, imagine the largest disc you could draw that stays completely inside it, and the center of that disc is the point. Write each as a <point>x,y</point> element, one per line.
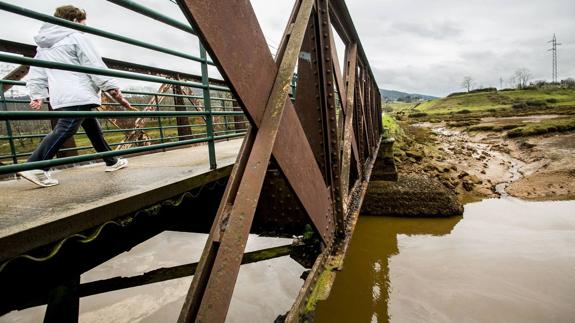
<point>384,168</point>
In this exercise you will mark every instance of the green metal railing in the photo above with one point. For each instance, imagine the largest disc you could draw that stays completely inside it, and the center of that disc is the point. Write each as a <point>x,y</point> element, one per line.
<point>206,129</point>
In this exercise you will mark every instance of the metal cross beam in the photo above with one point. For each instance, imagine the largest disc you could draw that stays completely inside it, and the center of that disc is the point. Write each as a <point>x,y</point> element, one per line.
<point>313,141</point>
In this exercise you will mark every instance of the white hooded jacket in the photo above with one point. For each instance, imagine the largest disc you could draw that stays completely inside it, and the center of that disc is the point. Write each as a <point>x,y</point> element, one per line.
<point>65,88</point>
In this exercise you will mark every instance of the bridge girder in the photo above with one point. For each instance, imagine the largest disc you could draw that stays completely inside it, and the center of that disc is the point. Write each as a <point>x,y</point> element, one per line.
<point>320,146</point>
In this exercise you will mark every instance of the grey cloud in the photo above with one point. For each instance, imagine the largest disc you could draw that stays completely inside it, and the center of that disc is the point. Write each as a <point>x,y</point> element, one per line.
<point>413,45</point>
<point>441,30</point>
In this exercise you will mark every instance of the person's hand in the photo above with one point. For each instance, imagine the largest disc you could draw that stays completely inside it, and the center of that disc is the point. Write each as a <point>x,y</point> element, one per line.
<point>36,104</point>
<point>116,94</point>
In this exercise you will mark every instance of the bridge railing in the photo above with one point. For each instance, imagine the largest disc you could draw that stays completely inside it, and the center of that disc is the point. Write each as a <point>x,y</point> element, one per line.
<point>211,113</point>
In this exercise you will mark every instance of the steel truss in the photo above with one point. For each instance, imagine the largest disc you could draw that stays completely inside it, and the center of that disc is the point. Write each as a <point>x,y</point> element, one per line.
<point>323,144</point>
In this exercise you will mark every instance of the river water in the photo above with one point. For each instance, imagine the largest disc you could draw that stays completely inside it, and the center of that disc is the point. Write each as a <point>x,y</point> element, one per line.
<point>504,260</point>
<point>263,290</point>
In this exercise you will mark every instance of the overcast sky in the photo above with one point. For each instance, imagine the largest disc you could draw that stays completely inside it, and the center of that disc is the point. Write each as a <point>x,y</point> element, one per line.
<point>413,45</point>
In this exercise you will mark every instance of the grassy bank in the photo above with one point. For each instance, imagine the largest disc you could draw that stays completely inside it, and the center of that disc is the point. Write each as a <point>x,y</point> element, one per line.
<point>496,103</point>
<point>543,127</point>
<point>468,110</point>
<point>391,125</point>
<point>490,102</point>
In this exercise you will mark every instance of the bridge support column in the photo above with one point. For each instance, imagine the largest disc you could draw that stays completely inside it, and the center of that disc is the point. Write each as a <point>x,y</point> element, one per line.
<point>384,168</point>
<point>64,303</point>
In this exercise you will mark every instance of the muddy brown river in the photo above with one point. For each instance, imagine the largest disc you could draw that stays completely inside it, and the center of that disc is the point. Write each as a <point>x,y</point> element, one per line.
<point>505,260</point>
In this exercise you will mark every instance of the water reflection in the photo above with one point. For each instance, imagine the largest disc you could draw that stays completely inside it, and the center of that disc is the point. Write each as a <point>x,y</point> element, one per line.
<point>506,261</point>
<point>263,291</point>
<point>360,291</point>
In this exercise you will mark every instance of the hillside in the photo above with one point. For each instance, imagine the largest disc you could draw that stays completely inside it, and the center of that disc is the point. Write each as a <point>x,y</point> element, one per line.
<point>489,144</point>
<point>514,99</point>
<point>393,95</point>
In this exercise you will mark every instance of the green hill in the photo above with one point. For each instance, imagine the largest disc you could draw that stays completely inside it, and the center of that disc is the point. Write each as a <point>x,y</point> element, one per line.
<point>394,95</point>
<point>507,99</point>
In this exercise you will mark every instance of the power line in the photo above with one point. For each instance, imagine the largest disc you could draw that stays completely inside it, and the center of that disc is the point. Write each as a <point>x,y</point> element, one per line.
<point>554,50</point>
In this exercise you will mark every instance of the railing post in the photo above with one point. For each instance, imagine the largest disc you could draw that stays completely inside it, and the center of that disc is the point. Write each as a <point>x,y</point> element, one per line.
<point>208,108</point>
<point>225,117</point>
<point>8,126</point>
<point>184,130</point>
<point>159,119</point>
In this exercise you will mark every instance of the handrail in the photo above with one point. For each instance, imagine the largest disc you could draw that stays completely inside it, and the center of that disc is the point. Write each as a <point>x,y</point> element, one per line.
<point>94,31</point>
<point>21,83</point>
<point>136,7</point>
<point>10,51</point>
<point>38,115</point>
<point>77,159</point>
<point>100,71</point>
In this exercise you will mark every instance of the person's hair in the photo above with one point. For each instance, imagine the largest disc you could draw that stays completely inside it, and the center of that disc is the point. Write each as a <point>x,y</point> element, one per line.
<point>70,13</point>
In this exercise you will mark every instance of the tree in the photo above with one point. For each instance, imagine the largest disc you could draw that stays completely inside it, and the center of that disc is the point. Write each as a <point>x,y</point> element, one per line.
<point>467,83</point>
<point>522,76</point>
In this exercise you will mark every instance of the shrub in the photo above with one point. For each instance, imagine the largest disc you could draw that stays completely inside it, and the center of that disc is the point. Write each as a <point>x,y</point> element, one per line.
<point>418,115</point>
<point>536,103</point>
<point>517,132</point>
<point>519,105</point>
<point>464,111</point>
<point>456,94</point>
<point>487,89</point>
<point>510,126</point>
<point>552,100</point>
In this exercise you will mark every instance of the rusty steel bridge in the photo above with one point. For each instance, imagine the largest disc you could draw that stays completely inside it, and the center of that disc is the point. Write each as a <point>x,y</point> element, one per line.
<point>311,129</point>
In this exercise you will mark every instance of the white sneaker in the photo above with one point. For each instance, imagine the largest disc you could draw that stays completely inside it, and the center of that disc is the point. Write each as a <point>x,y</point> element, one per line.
<point>121,163</point>
<point>39,177</point>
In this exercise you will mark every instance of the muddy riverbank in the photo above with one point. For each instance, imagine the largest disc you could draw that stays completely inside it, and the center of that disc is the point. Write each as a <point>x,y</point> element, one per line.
<point>476,164</point>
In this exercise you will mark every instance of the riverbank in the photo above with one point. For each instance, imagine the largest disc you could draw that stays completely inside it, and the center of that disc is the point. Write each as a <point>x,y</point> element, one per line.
<point>475,164</point>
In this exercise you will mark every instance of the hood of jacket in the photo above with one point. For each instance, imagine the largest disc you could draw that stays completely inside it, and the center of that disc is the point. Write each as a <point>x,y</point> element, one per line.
<point>50,34</point>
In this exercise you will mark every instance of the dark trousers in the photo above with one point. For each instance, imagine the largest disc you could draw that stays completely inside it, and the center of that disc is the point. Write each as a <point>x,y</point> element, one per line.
<point>66,128</point>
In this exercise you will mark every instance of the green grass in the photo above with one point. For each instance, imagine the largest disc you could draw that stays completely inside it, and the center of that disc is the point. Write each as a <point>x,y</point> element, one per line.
<point>493,101</point>
<point>399,106</point>
<point>391,124</point>
<point>543,127</point>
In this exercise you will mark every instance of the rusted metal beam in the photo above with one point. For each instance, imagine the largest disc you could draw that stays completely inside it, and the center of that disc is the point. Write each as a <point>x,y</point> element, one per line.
<point>342,90</point>
<point>184,129</point>
<point>343,25</point>
<point>348,138</point>
<point>240,51</point>
<point>211,291</point>
<point>235,42</point>
<point>331,257</point>
<point>327,95</point>
<point>15,75</point>
<point>307,98</point>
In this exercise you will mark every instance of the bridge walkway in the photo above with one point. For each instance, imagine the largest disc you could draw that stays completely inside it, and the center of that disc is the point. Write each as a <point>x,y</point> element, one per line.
<point>87,196</point>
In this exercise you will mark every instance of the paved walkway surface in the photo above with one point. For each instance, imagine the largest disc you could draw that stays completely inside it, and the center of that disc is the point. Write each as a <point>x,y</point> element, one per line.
<point>94,196</point>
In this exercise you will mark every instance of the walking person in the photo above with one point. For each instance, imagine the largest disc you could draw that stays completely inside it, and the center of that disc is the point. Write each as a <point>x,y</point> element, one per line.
<point>69,91</point>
